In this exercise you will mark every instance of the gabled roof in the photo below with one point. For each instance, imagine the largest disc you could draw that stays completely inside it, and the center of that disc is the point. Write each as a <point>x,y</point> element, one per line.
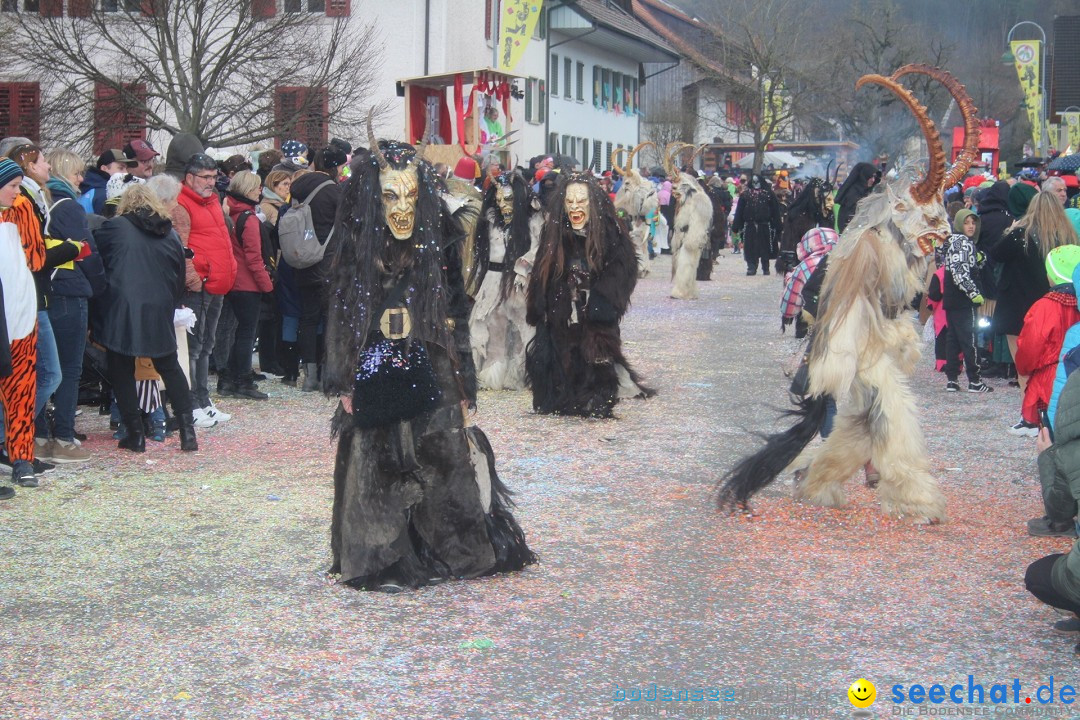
<point>610,17</point>
<point>663,18</point>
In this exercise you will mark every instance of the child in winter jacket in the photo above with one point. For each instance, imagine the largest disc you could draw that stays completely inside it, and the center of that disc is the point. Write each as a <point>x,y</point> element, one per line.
<point>1039,344</point>
<point>960,298</point>
<point>813,246</point>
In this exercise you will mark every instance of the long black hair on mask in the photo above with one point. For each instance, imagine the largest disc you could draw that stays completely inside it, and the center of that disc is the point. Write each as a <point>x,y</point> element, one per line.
<point>551,256</point>
<point>367,254</point>
<point>754,473</point>
<point>519,240</point>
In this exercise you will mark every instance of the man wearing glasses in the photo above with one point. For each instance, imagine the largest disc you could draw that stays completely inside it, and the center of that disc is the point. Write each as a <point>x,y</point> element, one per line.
<point>200,222</point>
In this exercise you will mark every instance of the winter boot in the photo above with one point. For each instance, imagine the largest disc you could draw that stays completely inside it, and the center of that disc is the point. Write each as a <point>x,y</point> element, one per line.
<point>290,363</point>
<point>135,440</point>
<point>226,387</point>
<point>248,389</point>
<point>311,377</point>
<point>187,433</point>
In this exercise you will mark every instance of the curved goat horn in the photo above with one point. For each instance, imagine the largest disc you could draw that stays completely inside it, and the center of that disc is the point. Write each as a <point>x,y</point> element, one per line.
<point>670,157</point>
<point>926,189</point>
<point>615,154</point>
<point>637,148</point>
<point>970,153</point>
<point>700,149</point>
<point>836,175</point>
<point>827,169</point>
<point>375,143</point>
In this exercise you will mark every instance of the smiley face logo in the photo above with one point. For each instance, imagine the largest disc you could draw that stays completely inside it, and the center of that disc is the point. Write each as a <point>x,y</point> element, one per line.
<point>862,693</point>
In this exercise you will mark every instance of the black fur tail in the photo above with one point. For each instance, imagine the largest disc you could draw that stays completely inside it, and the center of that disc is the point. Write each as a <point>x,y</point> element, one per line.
<point>756,472</point>
<point>507,537</point>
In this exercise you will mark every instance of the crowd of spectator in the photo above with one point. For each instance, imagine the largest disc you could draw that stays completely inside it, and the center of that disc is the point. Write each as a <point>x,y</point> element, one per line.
<point>142,275</point>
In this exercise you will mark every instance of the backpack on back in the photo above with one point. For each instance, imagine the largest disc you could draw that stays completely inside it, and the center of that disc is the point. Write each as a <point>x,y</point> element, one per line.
<point>300,246</point>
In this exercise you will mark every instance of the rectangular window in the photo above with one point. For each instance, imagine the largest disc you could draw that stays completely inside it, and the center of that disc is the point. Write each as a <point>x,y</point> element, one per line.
<point>626,93</point>
<point>302,113</point>
<point>20,109</point>
<point>567,145</point>
<point>530,88</point>
<point>605,101</point>
<point>489,20</point>
<point>119,115</point>
<point>580,81</point>
<point>311,6</point>
<point>635,106</point>
<point>553,142</point>
<point>554,79</point>
<point>31,6</point>
<point>607,157</point>
<point>568,69</point>
<point>596,78</point>
<point>541,105</point>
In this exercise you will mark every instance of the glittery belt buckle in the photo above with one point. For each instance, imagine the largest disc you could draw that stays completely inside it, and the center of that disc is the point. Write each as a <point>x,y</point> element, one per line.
<point>395,323</point>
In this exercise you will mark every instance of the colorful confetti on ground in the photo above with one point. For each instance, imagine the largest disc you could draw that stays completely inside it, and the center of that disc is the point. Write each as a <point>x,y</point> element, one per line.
<point>175,585</point>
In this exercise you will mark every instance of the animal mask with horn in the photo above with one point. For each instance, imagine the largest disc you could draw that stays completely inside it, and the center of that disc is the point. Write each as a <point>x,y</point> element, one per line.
<point>398,182</point>
<point>918,210</point>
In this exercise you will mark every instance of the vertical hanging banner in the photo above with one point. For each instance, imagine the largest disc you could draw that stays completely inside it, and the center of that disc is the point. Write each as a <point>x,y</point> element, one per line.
<point>1071,121</point>
<point>1026,54</point>
<point>516,27</point>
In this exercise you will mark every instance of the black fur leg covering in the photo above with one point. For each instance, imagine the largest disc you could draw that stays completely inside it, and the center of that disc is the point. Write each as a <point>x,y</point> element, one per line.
<point>756,472</point>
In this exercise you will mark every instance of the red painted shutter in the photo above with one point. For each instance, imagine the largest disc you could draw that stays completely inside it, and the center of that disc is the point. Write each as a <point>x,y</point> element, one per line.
<point>80,8</point>
<point>51,8</point>
<point>119,117</point>
<point>263,8</point>
<point>20,110</point>
<point>338,8</point>
<point>303,114</point>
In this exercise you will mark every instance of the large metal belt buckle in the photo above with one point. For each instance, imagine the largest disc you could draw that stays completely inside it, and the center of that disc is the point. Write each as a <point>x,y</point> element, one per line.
<point>395,323</point>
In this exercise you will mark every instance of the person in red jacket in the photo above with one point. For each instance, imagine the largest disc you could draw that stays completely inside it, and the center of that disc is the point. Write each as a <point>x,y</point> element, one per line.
<point>1039,344</point>
<point>200,222</point>
<point>252,280</point>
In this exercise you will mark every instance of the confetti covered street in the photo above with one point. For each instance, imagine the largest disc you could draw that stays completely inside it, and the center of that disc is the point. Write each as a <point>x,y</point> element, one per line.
<point>194,585</point>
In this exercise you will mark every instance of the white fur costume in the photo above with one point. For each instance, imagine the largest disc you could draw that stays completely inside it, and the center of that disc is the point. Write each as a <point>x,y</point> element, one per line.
<point>497,326</point>
<point>865,346</point>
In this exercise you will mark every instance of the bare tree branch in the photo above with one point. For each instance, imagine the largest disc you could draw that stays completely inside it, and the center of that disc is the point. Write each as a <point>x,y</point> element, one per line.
<point>206,67</point>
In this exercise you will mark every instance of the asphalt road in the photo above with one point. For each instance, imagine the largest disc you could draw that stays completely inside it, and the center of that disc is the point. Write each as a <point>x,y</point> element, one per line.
<point>173,585</point>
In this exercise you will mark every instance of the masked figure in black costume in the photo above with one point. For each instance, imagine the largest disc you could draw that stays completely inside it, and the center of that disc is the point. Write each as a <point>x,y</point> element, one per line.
<point>416,496</point>
<point>585,271</point>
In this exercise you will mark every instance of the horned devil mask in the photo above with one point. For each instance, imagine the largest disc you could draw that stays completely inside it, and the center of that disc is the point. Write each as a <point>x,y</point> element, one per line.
<point>577,205</point>
<point>399,192</point>
<point>400,189</point>
<point>504,198</point>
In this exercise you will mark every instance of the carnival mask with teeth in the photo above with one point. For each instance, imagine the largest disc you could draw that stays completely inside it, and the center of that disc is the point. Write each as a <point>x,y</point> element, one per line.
<point>577,205</point>
<point>504,198</point>
<point>399,182</point>
<point>399,192</point>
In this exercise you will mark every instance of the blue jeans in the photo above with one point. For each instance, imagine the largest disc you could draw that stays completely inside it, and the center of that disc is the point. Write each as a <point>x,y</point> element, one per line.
<point>48,362</point>
<point>68,316</point>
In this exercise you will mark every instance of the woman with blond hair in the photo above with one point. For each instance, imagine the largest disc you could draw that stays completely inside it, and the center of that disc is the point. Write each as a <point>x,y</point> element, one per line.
<point>73,284</point>
<point>144,267</point>
<point>1022,252</point>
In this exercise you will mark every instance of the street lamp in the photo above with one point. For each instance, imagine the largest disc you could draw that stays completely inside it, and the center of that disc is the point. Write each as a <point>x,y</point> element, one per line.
<point>1009,58</point>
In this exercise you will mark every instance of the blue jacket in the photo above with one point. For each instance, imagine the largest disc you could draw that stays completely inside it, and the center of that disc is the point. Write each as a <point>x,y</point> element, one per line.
<point>67,220</point>
<point>93,191</point>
